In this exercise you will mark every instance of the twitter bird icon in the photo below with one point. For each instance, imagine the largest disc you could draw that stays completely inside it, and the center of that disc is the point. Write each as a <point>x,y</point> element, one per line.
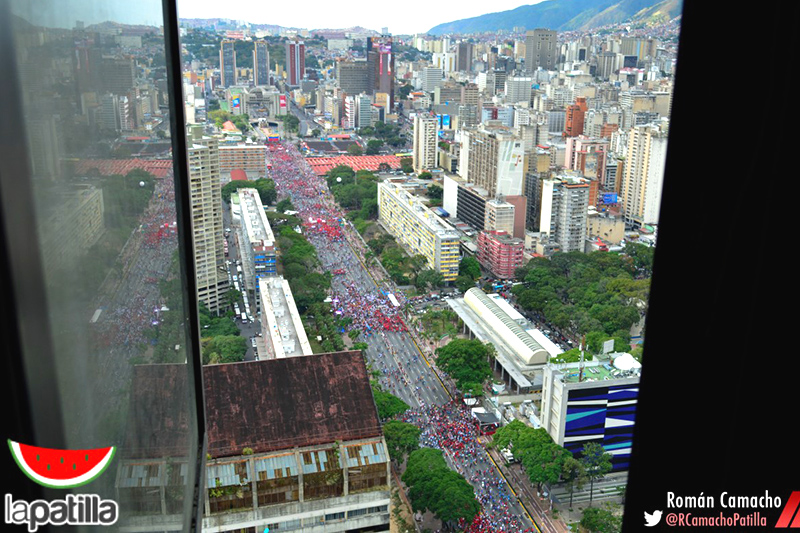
<point>652,519</point>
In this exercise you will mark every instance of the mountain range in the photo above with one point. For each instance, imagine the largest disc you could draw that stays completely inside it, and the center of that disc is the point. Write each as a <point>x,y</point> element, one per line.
<point>566,15</point>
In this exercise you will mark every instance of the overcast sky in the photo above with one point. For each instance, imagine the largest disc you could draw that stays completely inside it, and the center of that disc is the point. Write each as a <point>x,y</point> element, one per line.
<point>413,16</point>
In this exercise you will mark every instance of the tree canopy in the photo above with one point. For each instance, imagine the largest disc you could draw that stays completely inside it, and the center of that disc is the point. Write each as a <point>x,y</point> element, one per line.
<point>265,187</point>
<point>388,405</point>
<point>433,486</point>
<point>586,292</point>
<point>466,361</point>
<point>542,459</point>
<point>402,438</point>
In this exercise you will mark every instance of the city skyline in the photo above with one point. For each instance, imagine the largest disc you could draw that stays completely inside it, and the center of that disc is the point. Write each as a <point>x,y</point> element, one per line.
<point>360,13</point>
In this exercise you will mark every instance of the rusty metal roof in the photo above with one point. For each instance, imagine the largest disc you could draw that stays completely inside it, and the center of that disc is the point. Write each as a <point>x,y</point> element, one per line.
<point>264,405</point>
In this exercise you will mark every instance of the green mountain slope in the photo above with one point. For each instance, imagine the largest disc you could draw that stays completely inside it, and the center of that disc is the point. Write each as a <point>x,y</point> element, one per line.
<point>566,15</point>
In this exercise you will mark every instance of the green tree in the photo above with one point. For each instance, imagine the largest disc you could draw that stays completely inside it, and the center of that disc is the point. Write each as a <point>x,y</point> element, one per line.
<point>598,520</point>
<point>354,149</point>
<point>223,349</point>
<point>404,91</point>
<point>464,283</point>
<point>374,146</point>
<point>597,463</point>
<point>425,175</point>
<point>433,486</point>
<point>435,192</point>
<point>428,278</point>
<point>401,439</point>
<point>573,473</point>
<point>469,266</point>
<point>466,361</point>
<point>285,205</point>
<point>388,405</point>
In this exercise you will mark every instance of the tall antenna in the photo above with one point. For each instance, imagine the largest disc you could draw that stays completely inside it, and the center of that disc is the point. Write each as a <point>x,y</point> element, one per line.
<point>583,347</point>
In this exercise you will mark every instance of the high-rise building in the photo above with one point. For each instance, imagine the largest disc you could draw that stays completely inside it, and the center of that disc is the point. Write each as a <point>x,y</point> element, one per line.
<point>541,50</point>
<point>354,76</point>
<point>564,210</point>
<point>207,225</point>
<point>499,216</point>
<point>426,128</point>
<point>464,55</point>
<point>431,78</point>
<point>295,62</point>
<point>573,125</point>
<point>494,160</point>
<point>261,63</point>
<point>641,183</point>
<point>363,110</point>
<point>380,57</point>
<point>518,89</point>
<point>227,63</point>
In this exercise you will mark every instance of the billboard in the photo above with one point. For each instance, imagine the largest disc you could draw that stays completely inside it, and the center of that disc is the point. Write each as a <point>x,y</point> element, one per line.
<point>282,100</point>
<point>445,121</point>
<point>236,102</point>
<point>610,198</point>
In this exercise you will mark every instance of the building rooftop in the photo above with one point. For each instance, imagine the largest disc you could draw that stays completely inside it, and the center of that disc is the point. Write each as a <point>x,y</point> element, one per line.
<point>296,401</point>
<point>603,370</point>
<point>282,323</point>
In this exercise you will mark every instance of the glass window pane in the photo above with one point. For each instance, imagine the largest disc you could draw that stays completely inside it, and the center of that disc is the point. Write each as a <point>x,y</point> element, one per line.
<point>95,107</point>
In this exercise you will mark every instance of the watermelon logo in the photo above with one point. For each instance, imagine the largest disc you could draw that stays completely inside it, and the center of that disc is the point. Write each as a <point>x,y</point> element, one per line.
<point>61,469</point>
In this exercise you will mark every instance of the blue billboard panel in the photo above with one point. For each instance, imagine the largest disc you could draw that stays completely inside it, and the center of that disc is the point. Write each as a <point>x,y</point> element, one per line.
<point>610,198</point>
<point>445,121</point>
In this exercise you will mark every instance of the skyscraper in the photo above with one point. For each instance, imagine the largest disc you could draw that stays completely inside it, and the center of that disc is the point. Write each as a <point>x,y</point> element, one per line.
<point>353,76</point>
<point>464,56</point>
<point>261,63</point>
<point>540,49</point>
<point>564,211</point>
<point>207,216</point>
<point>381,65</point>
<point>643,176</point>
<point>425,136</point>
<point>227,63</point>
<point>295,62</point>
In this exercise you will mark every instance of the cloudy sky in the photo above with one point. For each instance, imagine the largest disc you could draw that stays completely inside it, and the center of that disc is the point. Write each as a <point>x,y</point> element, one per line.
<point>412,16</point>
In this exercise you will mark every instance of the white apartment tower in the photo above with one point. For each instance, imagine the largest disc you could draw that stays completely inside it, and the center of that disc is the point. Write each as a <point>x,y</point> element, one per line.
<point>426,128</point>
<point>643,178</point>
<point>564,211</point>
<point>207,223</point>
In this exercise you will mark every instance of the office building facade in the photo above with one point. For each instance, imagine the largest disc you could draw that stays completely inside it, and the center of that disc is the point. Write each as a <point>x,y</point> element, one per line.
<point>261,64</point>
<point>541,50</point>
<point>500,253</point>
<point>227,64</point>
<point>564,211</point>
<point>295,62</point>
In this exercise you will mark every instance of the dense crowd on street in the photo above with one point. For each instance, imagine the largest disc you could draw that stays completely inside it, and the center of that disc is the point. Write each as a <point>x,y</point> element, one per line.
<point>449,427</point>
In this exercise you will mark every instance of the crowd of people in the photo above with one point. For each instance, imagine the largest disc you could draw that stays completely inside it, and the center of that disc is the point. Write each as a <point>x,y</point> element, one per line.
<point>447,427</point>
<point>324,226</point>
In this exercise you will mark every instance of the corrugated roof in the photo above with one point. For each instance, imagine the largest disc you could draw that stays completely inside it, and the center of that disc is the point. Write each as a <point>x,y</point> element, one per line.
<point>265,405</point>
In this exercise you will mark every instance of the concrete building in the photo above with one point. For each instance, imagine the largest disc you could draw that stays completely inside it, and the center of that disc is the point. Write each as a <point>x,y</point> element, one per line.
<point>381,61</point>
<point>426,128</point>
<point>564,209</point>
<point>521,350</point>
<point>71,227</point>
<point>610,228</point>
<point>295,62</point>
<point>248,156</point>
<point>353,76</point>
<point>431,78</point>
<point>500,253</point>
<point>260,64</point>
<point>592,403</point>
<point>257,246</point>
<point>420,230</point>
<point>643,178</point>
<point>499,216</point>
<point>284,335</point>
<point>207,227</point>
<point>493,159</point>
<point>227,63</point>
<point>299,448</point>
<point>518,89</point>
<point>464,54</point>
<point>541,50</point>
